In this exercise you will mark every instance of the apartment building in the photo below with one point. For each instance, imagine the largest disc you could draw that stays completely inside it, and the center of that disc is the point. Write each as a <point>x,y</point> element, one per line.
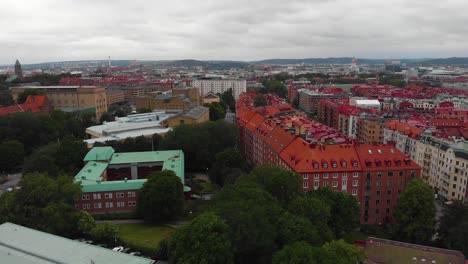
<point>444,166</point>
<point>375,174</point>
<point>220,86</point>
<point>71,97</point>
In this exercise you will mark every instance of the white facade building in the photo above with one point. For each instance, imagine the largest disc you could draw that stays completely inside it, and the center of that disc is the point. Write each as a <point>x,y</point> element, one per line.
<point>220,86</point>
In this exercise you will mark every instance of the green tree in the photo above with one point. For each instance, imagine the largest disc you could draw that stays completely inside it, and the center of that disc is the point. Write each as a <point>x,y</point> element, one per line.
<point>316,211</point>
<point>200,142</point>
<point>44,203</point>
<point>453,227</point>
<point>144,110</point>
<point>282,184</point>
<point>295,102</point>
<point>11,154</point>
<point>260,100</point>
<point>344,209</point>
<point>303,253</point>
<point>229,100</point>
<point>415,213</point>
<point>105,233</point>
<point>345,251</point>
<point>276,87</point>
<point>86,223</point>
<point>293,228</point>
<point>106,117</point>
<point>43,160</point>
<point>217,111</point>
<point>206,240</point>
<point>69,157</point>
<point>162,197</point>
<point>22,96</point>
<point>163,249</point>
<point>225,163</point>
<point>251,213</point>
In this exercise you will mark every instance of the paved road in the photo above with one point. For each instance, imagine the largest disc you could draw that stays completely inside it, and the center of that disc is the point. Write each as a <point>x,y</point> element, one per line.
<point>13,180</point>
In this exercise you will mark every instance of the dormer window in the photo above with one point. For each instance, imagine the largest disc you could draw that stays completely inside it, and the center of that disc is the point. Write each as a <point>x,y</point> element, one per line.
<point>316,165</point>
<point>343,164</point>
<point>354,163</point>
<point>334,164</point>
<point>324,164</point>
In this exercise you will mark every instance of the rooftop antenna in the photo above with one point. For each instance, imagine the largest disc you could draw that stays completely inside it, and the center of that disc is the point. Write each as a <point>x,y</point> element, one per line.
<point>109,62</point>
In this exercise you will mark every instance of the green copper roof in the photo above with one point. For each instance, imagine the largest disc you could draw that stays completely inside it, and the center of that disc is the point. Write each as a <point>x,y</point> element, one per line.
<point>108,186</point>
<point>99,153</point>
<point>91,173</point>
<point>90,176</point>
<point>19,244</point>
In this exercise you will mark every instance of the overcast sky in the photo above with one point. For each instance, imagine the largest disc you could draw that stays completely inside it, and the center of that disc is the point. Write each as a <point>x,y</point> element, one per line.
<point>53,30</point>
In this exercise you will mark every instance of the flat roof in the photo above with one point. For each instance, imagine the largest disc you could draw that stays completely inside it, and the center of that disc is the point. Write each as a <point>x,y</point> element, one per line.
<point>19,244</point>
<point>99,153</point>
<point>91,173</point>
<point>373,102</point>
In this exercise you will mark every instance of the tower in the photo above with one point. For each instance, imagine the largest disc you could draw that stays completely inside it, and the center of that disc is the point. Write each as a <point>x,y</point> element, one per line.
<point>18,71</point>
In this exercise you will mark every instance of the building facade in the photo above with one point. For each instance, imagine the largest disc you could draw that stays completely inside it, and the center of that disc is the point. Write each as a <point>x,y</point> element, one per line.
<point>71,97</point>
<point>220,86</point>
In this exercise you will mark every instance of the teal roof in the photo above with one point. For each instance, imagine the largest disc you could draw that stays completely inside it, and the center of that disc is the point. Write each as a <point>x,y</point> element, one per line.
<point>99,153</point>
<point>109,186</point>
<point>19,244</point>
<point>90,176</point>
<point>172,159</point>
<point>91,173</point>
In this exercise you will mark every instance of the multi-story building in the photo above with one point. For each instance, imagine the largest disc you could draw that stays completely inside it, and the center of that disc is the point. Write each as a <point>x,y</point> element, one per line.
<point>115,96</point>
<point>403,135</point>
<point>194,115</point>
<point>374,174</point>
<point>370,130</point>
<point>189,92</point>
<point>165,102</point>
<point>38,104</point>
<point>110,181</point>
<point>71,97</point>
<point>445,166</point>
<point>309,99</point>
<point>220,86</point>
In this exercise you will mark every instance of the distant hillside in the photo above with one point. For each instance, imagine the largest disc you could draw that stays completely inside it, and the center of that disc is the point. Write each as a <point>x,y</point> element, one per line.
<point>211,65</point>
<point>340,60</point>
<point>445,61</point>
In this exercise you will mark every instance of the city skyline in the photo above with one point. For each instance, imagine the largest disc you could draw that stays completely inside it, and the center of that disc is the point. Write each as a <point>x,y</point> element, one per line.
<point>42,31</point>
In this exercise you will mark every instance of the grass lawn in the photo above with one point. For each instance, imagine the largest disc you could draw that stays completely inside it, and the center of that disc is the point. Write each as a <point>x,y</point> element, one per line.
<point>145,236</point>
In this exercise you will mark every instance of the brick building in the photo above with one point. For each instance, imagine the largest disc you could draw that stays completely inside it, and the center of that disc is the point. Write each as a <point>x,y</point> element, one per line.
<point>374,174</point>
<point>71,97</point>
<point>111,181</point>
<point>38,104</point>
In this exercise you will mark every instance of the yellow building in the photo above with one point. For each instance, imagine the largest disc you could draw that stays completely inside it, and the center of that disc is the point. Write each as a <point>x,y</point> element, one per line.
<point>194,115</point>
<point>444,166</point>
<point>71,97</point>
<point>192,93</point>
<point>210,98</point>
<point>115,96</point>
<point>164,102</point>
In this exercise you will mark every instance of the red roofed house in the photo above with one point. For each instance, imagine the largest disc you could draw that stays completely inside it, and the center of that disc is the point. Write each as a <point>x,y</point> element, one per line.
<point>38,104</point>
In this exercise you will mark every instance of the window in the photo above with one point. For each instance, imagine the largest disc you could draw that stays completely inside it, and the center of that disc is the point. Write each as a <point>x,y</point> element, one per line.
<point>324,165</point>
<point>378,193</point>
<point>325,184</point>
<point>334,164</point>
<point>354,163</point>
<point>389,192</point>
<point>378,184</point>
<point>131,194</point>
<point>305,176</point>
<point>355,183</point>
<point>390,173</point>
<point>355,174</point>
<point>389,183</point>
<point>316,176</point>
<point>401,173</point>
<point>388,201</point>
<point>377,211</point>
<point>305,185</point>
<point>325,175</point>
<point>343,164</point>
<point>354,192</point>
<point>106,195</point>
<point>344,175</point>
<point>316,184</point>
<point>316,165</point>
<point>379,174</point>
<point>377,202</point>
<point>335,175</point>
<point>335,184</point>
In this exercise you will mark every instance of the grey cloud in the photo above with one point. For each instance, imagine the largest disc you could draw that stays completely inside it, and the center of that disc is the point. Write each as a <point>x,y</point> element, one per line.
<point>48,30</point>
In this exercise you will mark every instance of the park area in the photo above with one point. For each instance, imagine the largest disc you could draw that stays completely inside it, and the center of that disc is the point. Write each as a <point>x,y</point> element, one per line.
<point>144,236</point>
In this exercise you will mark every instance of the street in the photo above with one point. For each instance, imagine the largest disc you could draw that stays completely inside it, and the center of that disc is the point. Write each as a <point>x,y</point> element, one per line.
<point>13,180</point>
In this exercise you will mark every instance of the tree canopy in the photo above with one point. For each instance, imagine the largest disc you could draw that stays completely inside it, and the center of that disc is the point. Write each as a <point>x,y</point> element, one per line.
<point>11,154</point>
<point>205,240</point>
<point>43,203</point>
<point>260,100</point>
<point>453,227</point>
<point>415,213</point>
<point>200,142</point>
<point>229,100</point>
<point>22,96</point>
<point>217,110</point>
<point>162,197</point>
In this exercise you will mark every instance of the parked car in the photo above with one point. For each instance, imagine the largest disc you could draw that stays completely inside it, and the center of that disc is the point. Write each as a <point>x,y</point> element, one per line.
<point>135,253</point>
<point>118,249</point>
